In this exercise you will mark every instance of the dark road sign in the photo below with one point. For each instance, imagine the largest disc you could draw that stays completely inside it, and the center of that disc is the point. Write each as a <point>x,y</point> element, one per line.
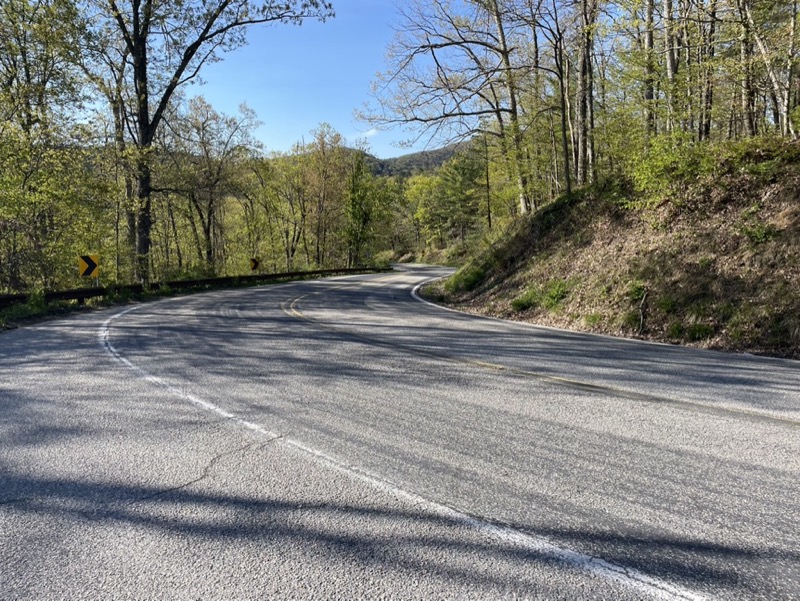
<point>254,263</point>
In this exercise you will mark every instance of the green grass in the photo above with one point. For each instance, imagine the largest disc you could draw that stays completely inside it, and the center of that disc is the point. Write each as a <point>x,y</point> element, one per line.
<point>549,296</point>
<point>593,319</point>
<point>699,331</point>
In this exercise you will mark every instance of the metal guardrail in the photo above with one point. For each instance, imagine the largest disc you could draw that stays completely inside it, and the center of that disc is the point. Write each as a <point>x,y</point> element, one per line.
<point>81,294</point>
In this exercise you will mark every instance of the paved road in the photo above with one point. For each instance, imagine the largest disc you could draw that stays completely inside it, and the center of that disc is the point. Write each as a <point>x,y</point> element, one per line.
<point>340,438</point>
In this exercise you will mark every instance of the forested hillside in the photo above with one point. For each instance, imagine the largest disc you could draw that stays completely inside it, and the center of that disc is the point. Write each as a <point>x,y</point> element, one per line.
<point>534,102</point>
<point>416,162</point>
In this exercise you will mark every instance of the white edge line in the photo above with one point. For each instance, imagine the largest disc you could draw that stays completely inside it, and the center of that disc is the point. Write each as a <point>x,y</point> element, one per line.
<point>658,589</point>
<point>537,326</point>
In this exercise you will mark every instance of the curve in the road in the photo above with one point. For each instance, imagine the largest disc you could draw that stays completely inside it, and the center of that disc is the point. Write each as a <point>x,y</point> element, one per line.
<point>292,308</point>
<point>652,587</point>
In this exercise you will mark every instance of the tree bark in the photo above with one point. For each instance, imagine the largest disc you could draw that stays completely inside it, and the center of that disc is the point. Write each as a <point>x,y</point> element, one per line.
<point>585,125</point>
<point>671,64</point>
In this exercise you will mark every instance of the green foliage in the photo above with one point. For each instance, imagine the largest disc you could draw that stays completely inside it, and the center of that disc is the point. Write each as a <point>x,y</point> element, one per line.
<point>368,210</point>
<point>18,313</point>
<point>759,233</point>
<point>763,157</point>
<point>465,279</point>
<point>424,196</point>
<point>636,291</point>
<point>631,320</point>
<point>705,263</point>
<point>669,164</point>
<point>383,259</point>
<point>51,211</point>
<point>36,302</point>
<point>445,204</point>
<point>117,295</point>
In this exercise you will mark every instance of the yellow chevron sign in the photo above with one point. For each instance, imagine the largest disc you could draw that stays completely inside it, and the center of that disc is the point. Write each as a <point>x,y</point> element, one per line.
<point>254,263</point>
<point>89,266</point>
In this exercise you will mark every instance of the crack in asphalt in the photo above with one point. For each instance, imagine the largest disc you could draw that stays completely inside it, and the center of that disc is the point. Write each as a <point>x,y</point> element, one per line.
<point>206,471</point>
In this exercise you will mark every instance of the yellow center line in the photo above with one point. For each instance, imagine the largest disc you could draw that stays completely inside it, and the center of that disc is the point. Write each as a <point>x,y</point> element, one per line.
<point>291,309</point>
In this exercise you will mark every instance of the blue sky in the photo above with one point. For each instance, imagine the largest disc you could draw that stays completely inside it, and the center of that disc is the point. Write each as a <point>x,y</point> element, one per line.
<point>298,77</point>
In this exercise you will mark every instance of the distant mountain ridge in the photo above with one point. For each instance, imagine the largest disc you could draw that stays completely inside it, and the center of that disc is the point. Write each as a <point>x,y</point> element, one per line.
<point>415,162</point>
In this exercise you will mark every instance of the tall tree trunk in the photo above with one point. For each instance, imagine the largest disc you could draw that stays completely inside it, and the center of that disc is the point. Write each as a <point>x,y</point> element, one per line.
<point>669,54</point>
<point>144,216</point>
<point>584,117</point>
<point>144,221</point>
<point>559,54</point>
<point>708,69</point>
<point>684,44</point>
<point>509,80</point>
<point>488,186</point>
<point>175,234</point>
<point>790,69</point>
<point>747,90</point>
<point>650,70</point>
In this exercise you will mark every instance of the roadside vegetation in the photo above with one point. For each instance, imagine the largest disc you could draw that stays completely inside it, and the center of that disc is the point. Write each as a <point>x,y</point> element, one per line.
<point>710,259</point>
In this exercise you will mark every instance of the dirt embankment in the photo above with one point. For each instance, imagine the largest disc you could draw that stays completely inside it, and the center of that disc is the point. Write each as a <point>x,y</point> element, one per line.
<point>715,266</point>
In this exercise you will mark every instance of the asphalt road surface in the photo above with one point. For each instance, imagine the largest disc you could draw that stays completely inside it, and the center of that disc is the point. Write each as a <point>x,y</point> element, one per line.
<point>341,438</point>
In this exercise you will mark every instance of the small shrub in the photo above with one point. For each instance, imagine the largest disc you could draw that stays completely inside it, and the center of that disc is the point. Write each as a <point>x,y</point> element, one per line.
<point>631,320</point>
<point>726,311</point>
<point>36,302</point>
<point>465,279</point>
<point>383,259</point>
<point>636,291</point>
<point>760,232</point>
<point>669,163</point>
<point>675,330</point>
<point>34,307</point>
<point>434,292</point>
<point>117,295</point>
<point>736,333</point>
<point>751,211</point>
<point>16,313</point>
<point>528,300</point>
<point>667,304</point>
